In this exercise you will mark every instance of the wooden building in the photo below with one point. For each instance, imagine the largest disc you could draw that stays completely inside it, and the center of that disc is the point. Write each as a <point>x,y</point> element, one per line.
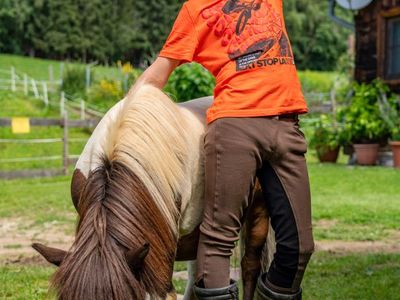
<point>378,42</point>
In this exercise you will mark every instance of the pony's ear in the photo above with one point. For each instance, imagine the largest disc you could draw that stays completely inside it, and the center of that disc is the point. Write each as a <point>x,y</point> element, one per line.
<point>52,255</point>
<point>135,258</point>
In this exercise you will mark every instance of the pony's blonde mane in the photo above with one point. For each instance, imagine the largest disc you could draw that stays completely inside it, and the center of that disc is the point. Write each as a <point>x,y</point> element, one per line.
<point>149,137</point>
<point>131,198</point>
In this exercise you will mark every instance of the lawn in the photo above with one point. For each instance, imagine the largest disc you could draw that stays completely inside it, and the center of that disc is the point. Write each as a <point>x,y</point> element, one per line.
<point>39,68</point>
<point>13,150</point>
<point>362,202</point>
<point>367,277</point>
<point>19,105</point>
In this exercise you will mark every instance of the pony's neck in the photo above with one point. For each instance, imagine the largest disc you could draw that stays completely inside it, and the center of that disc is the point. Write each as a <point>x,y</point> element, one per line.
<point>150,138</point>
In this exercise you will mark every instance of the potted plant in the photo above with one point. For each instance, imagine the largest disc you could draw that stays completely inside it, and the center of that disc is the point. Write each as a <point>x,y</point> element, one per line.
<point>390,111</point>
<point>325,139</point>
<point>364,126</point>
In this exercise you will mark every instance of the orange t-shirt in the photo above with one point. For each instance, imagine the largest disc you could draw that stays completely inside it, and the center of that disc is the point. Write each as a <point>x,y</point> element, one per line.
<point>244,44</point>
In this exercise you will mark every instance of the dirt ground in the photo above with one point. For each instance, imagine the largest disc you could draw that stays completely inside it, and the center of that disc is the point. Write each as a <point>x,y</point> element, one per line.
<point>16,237</point>
<point>16,240</point>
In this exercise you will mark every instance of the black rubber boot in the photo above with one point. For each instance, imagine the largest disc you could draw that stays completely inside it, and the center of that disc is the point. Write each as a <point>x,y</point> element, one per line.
<point>265,293</point>
<point>230,292</point>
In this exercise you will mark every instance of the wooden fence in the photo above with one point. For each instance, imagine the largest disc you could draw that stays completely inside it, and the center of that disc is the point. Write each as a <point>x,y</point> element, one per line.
<point>11,80</point>
<point>65,156</point>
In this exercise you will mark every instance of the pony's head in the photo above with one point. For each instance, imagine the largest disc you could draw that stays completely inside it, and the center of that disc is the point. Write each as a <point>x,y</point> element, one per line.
<point>123,249</point>
<point>126,235</point>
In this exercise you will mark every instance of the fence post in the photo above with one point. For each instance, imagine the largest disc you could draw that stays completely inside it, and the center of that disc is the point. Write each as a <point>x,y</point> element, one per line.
<point>34,88</point>
<point>125,85</point>
<point>62,104</point>
<point>61,73</point>
<point>26,84</point>
<point>45,94</point>
<point>82,109</point>
<point>65,143</point>
<point>13,86</point>
<point>51,86</point>
<point>87,77</point>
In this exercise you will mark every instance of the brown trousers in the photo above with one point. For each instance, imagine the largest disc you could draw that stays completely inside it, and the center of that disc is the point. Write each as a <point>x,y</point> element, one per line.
<point>237,150</point>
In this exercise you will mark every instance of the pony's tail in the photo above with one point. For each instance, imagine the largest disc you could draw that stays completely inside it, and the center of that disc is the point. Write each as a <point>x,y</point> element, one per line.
<point>96,267</point>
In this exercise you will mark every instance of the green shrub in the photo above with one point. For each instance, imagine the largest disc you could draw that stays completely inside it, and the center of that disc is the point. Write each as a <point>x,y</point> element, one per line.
<point>190,81</point>
<point>74,81</point>
<point>130,74</point>
<point>105,93</point>
<point>362,119</point>
<point>326,134</point>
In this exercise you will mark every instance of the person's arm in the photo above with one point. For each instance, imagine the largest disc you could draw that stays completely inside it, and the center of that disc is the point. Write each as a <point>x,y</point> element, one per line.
<point>156,74</point>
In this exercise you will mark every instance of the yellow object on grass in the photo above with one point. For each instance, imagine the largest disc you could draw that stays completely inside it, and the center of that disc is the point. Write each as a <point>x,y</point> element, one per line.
<point>20,125</point>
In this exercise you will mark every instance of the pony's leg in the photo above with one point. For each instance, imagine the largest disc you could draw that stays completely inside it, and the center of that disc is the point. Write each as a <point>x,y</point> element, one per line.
<point>255,235</point>
<point>191,268</point>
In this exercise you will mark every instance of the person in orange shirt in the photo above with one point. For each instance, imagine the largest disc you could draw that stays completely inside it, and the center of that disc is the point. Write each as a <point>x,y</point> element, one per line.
<point>252,132</point>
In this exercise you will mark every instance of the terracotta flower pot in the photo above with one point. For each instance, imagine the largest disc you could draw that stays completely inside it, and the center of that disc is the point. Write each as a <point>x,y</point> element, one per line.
<point>328,155</point>
<point>396,153</point>
<point>367,154</point>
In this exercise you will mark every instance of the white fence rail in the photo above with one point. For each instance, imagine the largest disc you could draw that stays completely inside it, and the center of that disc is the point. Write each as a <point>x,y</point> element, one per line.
<point>12,80</point>
<point>65,157</point>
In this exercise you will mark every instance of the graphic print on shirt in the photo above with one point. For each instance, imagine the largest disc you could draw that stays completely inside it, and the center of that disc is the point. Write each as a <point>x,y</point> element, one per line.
<point>250,29</point>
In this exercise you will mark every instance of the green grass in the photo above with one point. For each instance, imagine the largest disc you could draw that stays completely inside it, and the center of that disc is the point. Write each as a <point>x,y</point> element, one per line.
<point>357,276</point>
<point>39,68</point>
<point>19,105</point>
<point>15,150</point>
<point>37,201</point>
<point>24,282</point>
<point>363,201</point>
<point>317,81</point>
<point>328,276</point>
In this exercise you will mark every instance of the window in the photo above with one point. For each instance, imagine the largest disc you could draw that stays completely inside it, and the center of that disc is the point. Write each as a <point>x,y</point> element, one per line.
<point>393,49</point>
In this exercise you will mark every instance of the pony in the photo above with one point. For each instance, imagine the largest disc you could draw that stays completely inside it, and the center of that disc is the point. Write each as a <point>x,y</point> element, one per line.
<point>138,190</point>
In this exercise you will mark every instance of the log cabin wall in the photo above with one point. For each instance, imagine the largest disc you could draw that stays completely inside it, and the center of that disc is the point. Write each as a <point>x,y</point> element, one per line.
<point>372,32</point>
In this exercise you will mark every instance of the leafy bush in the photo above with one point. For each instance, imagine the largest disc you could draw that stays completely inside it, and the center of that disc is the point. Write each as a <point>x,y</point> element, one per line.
<point>106,93</point>
<point>74,81</point>
<point>362,119</point>
<point>326,134</point>
<point>130,74</point>
<point>190,81</point>
<point>314,81</point>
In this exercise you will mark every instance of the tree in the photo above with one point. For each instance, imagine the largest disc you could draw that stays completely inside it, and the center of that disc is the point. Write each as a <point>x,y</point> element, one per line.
<point>135,30</point>
<point>12,19</point>
<point>316,41</point>
<point>153,19</point>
